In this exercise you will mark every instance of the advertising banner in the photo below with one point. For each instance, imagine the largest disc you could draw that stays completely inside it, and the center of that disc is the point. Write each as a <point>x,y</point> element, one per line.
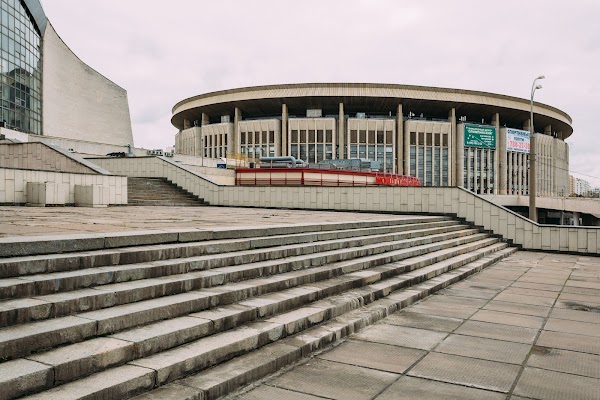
<point>482,136</point>
<point>517,140</point>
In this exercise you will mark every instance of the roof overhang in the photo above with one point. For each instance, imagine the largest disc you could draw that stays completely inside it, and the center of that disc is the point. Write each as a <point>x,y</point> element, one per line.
<point>37,11</point>
<point>367,97</point>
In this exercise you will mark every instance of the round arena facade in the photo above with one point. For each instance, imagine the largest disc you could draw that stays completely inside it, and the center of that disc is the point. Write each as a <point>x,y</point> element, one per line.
<point>445,137</point>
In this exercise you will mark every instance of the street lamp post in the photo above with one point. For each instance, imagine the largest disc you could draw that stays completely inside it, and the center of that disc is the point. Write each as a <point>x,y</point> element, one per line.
<point>532,156</point>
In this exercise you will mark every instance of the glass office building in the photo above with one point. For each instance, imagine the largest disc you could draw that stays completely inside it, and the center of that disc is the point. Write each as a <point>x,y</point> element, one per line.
<point>21,64</point>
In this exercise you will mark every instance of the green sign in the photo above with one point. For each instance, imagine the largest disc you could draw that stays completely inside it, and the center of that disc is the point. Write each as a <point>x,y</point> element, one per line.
<point>481,136</point>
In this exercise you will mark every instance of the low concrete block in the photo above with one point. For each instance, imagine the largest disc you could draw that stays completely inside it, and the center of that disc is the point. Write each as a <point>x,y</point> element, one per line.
<point>91,196</point>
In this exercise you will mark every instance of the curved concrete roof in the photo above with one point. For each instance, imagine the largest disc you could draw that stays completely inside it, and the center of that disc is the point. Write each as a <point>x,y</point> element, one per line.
<point>37,11</point>
<point>369,97</point>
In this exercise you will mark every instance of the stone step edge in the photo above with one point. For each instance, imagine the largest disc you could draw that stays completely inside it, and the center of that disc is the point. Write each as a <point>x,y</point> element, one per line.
<point>14,246</point>
<point>30,286</point>
<point>25,310</point>
<point>413,281</point>
<point>225,378</point>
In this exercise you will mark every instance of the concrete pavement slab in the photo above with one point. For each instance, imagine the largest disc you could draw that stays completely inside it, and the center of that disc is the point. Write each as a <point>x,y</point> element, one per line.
<point>549,385</point>
<point>524,299</point>
<point>467,371</point>
<point>410,388</point>
<point>537,286</point>
<point>584,284</point>
<point>439,299</point>
<point>533,292</point>
<point>497,331</point>
<point>546,281</point>
<point>401,336</point>
<point>580,298</point>
<point>569,341</point>
<point>570,362</point>
<point>335,380</point>
<point>378,356</point>
<point>576,315</point>
<point>499,317</point>
<point>444,310</point>
<point>485,349</point>
<point>579,290</point>
<point>516,308</point>
<point>578,328</point>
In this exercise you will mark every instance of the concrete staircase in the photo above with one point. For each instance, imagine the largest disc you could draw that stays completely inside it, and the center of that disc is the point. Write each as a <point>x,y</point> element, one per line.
<point>159,192</point>
<point>196,314</point>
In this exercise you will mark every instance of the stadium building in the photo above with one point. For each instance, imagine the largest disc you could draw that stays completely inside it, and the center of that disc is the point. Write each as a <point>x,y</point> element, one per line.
<point>445,137</point>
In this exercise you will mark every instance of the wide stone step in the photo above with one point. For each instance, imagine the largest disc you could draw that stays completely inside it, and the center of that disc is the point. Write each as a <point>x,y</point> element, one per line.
<point>196,243</point>
<point>55,305</point>
<point>24,339</point>
<point>22,248</point>
<point>341,315</point>
<point>42,284</point>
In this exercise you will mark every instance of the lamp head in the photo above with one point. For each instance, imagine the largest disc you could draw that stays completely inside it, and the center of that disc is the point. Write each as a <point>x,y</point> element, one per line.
<point>541,77</point>
<point>539,87</point>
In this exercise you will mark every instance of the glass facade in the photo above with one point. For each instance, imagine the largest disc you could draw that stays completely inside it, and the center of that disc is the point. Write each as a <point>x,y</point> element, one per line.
<point>429,157</point>
<point>21,68</point>
<point>479,170</point>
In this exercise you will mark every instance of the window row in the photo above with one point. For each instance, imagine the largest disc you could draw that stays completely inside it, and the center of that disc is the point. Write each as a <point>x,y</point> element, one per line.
<point>371,136</point>
<point>311,136</point>
<point>428,139</point>
<point>257,137</point>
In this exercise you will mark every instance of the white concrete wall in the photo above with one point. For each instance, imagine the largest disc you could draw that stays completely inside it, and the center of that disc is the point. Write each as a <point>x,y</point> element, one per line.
<point>13,185</point>
<point>435,200</point>
<point>79,103</point>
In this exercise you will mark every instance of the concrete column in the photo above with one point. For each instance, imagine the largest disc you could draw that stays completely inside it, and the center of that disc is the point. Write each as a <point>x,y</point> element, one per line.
<point>197,141</point>
<point>406,146</point>
<point>500,158</point>
<point>186,124</point>
<point>399,143</point>
<point>526,124</point>
<point>204,120</point>
<point>341,134</point>
<point>235,142</point>
<point>284,131</point>
<point>459,155</point>
<point>453,151</point>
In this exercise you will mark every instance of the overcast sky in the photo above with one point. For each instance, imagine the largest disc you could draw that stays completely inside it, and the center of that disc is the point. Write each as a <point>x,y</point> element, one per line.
<point>162,52</point>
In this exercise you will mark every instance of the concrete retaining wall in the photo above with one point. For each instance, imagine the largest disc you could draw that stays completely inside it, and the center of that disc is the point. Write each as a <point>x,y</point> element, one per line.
<point>435,200</point>
<point>13,185</point>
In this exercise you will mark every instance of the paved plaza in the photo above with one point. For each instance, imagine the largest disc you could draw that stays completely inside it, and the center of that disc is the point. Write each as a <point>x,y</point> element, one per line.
<point>525,328</point>
<point>17,221</point>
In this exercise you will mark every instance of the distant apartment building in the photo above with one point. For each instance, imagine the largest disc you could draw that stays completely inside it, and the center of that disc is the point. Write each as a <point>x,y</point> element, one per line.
<point>582,187</point>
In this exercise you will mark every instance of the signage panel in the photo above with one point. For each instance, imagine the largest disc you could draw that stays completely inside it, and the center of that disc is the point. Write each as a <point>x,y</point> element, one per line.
<point>482,136</point>
<point>517,140</point>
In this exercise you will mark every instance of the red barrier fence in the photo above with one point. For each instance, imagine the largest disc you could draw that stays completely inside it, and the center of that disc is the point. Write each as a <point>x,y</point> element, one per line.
<point>318,177</point>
